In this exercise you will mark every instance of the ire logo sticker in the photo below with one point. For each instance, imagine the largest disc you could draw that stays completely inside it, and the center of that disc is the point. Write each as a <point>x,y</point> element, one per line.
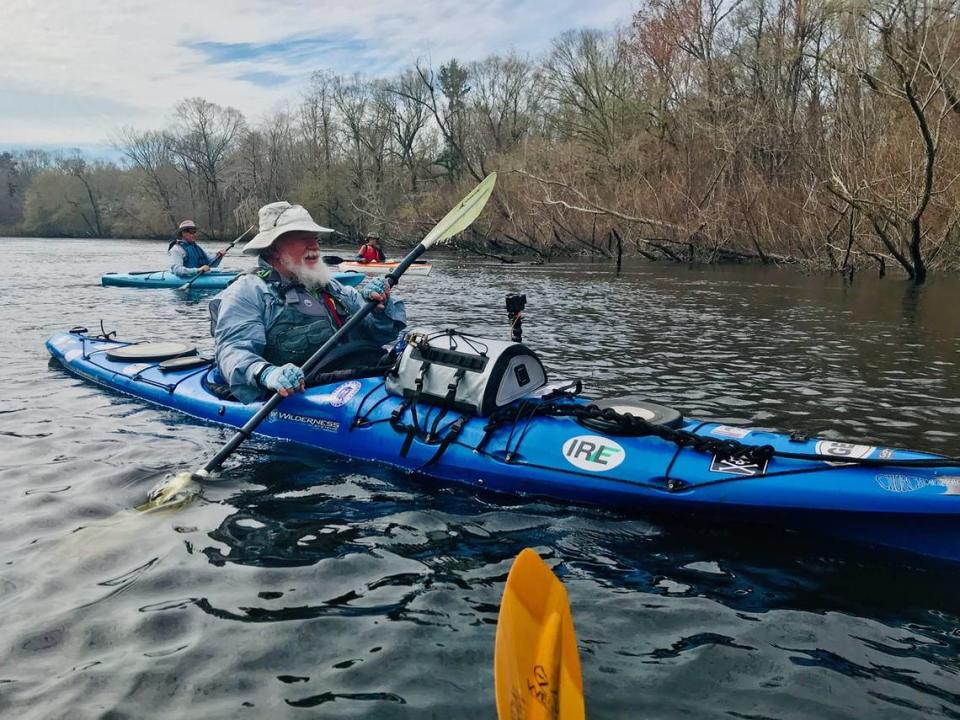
<point>593,453</point>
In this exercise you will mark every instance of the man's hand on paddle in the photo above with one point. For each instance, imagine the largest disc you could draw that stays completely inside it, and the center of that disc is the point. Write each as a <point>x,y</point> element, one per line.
<point>376,289</point>
<point>285,380</point>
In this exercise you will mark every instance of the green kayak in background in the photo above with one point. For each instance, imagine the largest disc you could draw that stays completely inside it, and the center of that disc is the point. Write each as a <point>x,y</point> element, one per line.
<point>213,280</point>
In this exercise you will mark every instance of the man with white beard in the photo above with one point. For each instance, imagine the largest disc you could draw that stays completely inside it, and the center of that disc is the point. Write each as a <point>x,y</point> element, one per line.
<point>270,321</point>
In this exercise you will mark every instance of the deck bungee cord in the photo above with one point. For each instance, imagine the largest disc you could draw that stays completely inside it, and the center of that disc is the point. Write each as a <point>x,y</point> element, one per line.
<point>629,424</point>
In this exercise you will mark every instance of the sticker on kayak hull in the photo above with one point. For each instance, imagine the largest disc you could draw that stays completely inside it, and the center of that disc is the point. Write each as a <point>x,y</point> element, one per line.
<point>842,450</point>
<point>898,483</point>
<point>730,431</point>
<point>593,453</point>
<point>344,393</point>
<point>72,355</point>
<point>318,423</point>
<point>737,466</point>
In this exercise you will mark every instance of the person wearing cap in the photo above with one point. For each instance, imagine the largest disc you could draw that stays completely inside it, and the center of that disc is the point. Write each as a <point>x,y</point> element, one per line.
<point>371,251</point>
<point>269,321</point>
<point>186,257</point>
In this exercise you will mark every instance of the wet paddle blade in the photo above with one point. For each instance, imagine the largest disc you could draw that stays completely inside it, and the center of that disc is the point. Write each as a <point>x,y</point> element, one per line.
<point>466,211</point>
<point>536,664</point>
<point>170,494</point>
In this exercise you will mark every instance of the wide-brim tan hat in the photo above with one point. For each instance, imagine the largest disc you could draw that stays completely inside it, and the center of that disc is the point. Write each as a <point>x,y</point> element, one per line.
<point>186,225</point>
<point>279,218</point>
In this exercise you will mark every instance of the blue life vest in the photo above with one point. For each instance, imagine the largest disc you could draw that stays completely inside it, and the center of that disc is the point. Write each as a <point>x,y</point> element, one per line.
<point>196,256</point>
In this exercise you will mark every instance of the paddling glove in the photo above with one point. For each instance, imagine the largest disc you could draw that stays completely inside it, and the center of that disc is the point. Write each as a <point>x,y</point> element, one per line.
<point>287,377</point>
<point>373,285</point>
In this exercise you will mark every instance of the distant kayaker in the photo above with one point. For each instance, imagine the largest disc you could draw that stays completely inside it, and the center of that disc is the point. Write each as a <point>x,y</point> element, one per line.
<point>269,321</point>
<point>371,251</point>
<point>186,257</point>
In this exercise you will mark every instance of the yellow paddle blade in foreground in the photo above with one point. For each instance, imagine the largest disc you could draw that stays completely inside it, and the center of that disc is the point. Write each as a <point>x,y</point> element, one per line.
<point>463,215</point>
<point>536,666</point>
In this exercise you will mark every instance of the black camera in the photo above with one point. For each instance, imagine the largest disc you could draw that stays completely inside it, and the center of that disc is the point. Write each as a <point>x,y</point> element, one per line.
<point>516,304</point>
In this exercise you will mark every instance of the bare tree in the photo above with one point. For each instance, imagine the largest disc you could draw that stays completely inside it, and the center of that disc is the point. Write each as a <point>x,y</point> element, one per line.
<point>586,77</point>
<point>506,101</point>
<point>205,133</point>
<point>450,85</point>
<point>76,166</point>
<point>317,123</point>
<point>151,154</point>
<point>408,117</point>
<point>905,61</point>
<point>318,131</point>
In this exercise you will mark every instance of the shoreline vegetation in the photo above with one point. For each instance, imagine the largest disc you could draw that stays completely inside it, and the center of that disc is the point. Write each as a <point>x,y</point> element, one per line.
<point>814,133</point>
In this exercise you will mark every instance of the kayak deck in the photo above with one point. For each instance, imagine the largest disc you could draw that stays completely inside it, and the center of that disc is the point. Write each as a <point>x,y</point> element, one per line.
<point>911,508</point>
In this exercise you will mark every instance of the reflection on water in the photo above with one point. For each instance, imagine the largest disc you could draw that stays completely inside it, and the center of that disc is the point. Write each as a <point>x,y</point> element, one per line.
<point>302,585</point>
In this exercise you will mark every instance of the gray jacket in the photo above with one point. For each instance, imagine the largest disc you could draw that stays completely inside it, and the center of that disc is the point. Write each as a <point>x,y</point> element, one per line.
<point>243,312</point>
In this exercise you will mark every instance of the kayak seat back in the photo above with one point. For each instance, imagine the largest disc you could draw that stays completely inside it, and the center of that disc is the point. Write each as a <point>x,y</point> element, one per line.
<point>216,384</point>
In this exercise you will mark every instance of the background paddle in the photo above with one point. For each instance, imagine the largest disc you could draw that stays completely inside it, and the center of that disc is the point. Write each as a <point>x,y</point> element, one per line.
<point>186,285</point>
<point>536,666</point>
<point>458,219</point>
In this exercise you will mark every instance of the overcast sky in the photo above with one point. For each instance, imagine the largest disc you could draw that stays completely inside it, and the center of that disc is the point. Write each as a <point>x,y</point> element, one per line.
<point>73,71</point>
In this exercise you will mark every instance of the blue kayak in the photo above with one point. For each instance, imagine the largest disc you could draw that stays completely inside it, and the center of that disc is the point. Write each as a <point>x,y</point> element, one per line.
<point>213,280</point>
<point>555,444</point>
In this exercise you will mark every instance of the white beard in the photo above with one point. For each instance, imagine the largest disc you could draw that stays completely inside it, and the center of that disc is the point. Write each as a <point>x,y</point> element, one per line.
<point>313,278</point>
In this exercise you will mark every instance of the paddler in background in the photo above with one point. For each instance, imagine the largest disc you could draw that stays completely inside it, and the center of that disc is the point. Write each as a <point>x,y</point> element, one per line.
<point>371,251</point>
<point>270,321</point>
<point>186,257</point>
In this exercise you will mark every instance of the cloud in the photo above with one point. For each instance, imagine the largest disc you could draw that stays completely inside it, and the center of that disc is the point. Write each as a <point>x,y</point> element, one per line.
<point>265,78</point>
<point>288,51</point>
<point>84,70</point>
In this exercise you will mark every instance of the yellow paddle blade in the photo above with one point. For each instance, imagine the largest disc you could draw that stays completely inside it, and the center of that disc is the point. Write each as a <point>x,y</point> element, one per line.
<point>536,666</point>
<point>170,494</point>
<point>465,212</point>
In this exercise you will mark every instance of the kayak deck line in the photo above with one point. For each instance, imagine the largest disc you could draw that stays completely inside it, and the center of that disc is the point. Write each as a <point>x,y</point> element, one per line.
<point>212,280</point>
<point>539,447</point>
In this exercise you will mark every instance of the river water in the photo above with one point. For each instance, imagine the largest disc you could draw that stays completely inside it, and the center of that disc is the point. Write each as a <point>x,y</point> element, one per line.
<point>310,586</point>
